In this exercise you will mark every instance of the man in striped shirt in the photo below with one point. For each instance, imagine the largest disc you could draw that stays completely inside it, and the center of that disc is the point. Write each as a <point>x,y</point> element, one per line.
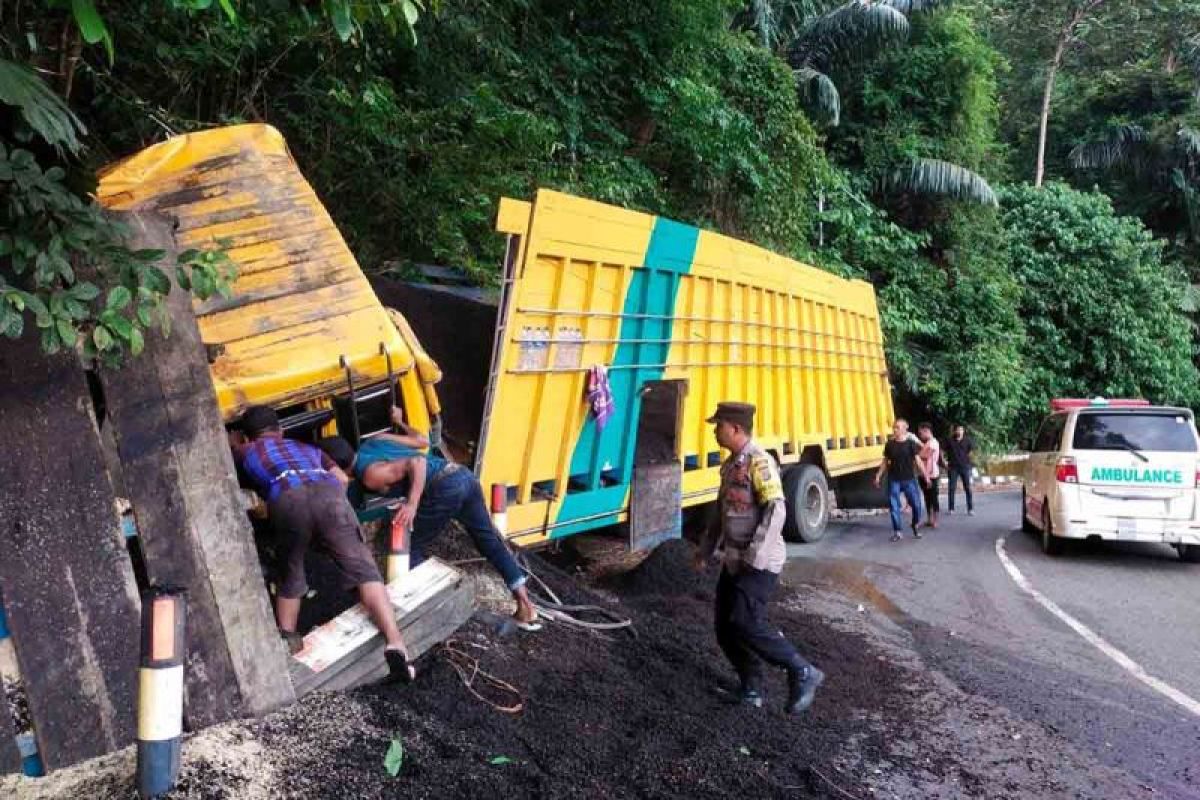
<point>306,500</point>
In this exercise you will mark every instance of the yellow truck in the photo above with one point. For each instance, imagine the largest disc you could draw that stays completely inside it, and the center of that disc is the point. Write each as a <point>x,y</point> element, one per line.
<point>302,331</point>
<point>675,319</point>
<point>660,320</point>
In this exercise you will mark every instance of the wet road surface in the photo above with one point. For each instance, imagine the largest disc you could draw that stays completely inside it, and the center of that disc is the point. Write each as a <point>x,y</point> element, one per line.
<point>970,620</point>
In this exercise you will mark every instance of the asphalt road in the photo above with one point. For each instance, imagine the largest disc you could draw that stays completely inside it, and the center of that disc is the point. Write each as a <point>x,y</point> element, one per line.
<point>970,620</point>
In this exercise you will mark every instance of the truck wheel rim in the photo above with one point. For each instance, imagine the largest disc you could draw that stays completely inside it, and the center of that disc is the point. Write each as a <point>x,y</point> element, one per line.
<point>814,503</point>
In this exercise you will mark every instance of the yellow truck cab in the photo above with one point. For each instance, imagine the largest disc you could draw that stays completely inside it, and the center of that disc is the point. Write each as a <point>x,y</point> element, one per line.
<point>303,331</point>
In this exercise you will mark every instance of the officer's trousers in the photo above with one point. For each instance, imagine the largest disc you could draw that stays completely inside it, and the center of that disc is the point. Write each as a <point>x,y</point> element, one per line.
<point>742,629</point>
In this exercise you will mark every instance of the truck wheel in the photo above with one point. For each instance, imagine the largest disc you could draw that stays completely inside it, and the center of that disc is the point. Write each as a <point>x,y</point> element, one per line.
<point>1189,553</point>
<point>1026,525</point>
<point>806,494</point>
<point>1051,545</point>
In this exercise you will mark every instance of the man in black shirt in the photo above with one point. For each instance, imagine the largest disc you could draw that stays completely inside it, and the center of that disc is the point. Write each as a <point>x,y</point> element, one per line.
<point>958,455</point>
<point>902,463</point>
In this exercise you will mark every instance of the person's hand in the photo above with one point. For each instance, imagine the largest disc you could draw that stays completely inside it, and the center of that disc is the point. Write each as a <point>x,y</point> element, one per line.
<point>877,482</point>
<point>405,515</point>
<point>397,416</point>
<point>699,562</point>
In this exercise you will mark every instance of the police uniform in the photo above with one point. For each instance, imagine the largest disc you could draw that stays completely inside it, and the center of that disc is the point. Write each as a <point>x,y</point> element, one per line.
<point>748,529</point>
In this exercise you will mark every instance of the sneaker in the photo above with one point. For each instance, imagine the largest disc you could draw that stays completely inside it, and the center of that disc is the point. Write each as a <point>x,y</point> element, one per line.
<point>399,670</point>
<point>916,532</point>
<point>971,513</point>
<point>950,512</point>
<point>895,537</point>
<point>751,697</point>
<point>802,688</point>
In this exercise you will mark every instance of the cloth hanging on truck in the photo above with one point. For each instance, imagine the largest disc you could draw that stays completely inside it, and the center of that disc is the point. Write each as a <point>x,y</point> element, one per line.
<point>599,395</point>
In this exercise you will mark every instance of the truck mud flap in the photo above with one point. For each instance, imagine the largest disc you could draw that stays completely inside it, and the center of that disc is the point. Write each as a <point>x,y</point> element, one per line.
<point>655,514</point>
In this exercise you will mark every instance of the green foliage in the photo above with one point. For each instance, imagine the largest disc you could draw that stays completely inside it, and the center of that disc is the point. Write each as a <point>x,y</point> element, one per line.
<point>1101,307</point>
<point>801,125</point>
<point>65,266</point>
<point>42,112</point>
<point>936,98</point>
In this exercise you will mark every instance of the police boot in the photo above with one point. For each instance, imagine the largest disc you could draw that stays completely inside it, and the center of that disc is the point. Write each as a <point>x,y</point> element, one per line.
<point>802,688</point>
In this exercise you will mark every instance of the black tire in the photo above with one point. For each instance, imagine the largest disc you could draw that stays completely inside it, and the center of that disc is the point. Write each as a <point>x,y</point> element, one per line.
<point>1189,553</point>
<point>1026,525</point>
<point>806,494</point>
<point>1051,545</point>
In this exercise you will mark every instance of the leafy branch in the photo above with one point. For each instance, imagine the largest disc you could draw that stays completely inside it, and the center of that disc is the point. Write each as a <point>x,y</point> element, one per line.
<point>65,266</point>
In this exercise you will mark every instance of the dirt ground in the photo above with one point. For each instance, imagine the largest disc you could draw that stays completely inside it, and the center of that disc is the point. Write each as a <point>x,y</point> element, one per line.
<point>636,713</point>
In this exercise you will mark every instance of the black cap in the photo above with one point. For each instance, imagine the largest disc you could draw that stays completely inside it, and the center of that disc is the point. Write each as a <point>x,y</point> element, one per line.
<point>339,450</point>
<point>741,414</point>
<point>258,419</point>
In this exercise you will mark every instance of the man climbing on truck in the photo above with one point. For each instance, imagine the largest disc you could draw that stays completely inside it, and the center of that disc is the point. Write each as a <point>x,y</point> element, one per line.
<point>305,494</point>
<point>749,527</point>
<point>435,491</point>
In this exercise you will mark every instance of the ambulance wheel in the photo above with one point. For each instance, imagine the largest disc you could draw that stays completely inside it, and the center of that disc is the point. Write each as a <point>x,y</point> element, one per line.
<point>1189,553</point>
<point>1051,545</point>
<point>806,496</point>
<point>1026,525</point>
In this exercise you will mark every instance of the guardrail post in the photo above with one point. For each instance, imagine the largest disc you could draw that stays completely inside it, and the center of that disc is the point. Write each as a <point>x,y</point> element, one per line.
<point>160,690</point>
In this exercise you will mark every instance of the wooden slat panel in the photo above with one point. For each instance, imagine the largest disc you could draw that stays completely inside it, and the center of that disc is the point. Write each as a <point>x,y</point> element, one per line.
<point>178,471</point>
<point>422,603</point>
<point>67,580</point>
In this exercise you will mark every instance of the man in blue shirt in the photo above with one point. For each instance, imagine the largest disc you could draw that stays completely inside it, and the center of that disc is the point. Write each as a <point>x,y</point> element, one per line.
<point>306,501</point>
<point>435,491</point>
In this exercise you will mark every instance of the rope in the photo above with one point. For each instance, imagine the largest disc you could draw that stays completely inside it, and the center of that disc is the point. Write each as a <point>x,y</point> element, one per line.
<point>468,670</point>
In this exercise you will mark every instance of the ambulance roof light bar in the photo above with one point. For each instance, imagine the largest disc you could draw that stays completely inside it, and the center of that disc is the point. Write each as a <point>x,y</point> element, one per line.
<point>1067,403</point>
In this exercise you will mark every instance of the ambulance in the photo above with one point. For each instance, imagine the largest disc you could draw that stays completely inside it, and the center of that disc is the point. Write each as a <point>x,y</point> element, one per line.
<point>1120,470</point>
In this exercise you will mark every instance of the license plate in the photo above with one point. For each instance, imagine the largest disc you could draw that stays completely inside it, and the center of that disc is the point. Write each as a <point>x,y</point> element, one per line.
<point>1126,528</point>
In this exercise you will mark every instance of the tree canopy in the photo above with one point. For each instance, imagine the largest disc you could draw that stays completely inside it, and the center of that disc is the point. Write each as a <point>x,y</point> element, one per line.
<point>895,140</point>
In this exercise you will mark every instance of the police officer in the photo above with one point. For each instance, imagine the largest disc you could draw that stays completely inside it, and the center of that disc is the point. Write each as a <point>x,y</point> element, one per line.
<point>749,527</point>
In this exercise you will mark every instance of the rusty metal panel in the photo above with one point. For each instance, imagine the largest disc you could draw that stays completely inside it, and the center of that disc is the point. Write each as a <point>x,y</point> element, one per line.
<point>656,508</point>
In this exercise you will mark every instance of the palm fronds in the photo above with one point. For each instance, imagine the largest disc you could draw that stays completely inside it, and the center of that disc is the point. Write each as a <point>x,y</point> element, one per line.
<point>853,31</point>
<point>933,177</point>
<point>1189,141</point>
<point>819,92</point>
<point>40,107</point>
<point>1120,146</point>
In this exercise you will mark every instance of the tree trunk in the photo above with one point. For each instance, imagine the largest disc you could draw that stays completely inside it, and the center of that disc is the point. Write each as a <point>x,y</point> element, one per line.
<point>1047,93</point>
<point>1060,49</point>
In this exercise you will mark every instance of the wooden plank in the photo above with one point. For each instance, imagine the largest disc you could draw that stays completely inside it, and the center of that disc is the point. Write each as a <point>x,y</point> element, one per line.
<point>178,471</point>
<point>430,602</point>
<point>66,577</point>
<point>441,618</point>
